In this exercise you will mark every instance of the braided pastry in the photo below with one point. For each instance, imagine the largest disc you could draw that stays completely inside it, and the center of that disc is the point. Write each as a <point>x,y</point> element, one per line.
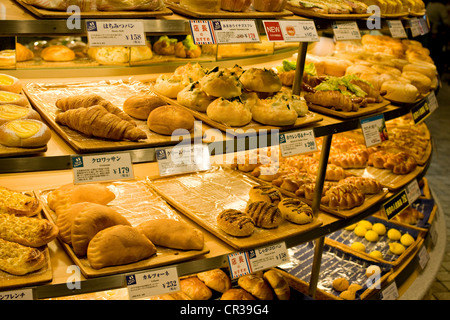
<point>366,185</point>
<point>399,163</point>
<point>343,196</point>
<point>333,172</point>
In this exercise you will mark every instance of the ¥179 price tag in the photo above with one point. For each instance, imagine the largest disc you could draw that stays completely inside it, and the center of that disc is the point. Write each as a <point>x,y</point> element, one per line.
<point>242,263</point>
<point>346,30</point>
<point>102,33</point>
<point>374,130</point>
<point>102,167</point>
<point>152,283</point>
<point>297,142</point>
<point>235,31</point>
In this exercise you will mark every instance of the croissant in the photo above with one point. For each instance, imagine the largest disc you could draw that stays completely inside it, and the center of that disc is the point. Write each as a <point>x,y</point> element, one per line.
<point>89,100</point>
<point>98,122</point>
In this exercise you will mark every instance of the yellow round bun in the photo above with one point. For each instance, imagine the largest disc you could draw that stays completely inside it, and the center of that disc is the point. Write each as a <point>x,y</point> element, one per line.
<point>27,133</point>
<point>223,83</point>
<point>274,111</point>
<point>7,97</point>
<point>10,83</point>
<point>9,112</point>
<point>166,119</point>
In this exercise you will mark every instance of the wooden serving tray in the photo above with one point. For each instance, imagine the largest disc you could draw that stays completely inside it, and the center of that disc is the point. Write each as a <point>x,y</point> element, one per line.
<point>15,151</point>
<point>310,14</point>
<point>371,108</point>
<point>222,14</point>
<point>44,96</point>
<point>202,196</point>
<point>253,126</point>
<point>138,203</point>
<point>388,179</point>
<point>53,14</point>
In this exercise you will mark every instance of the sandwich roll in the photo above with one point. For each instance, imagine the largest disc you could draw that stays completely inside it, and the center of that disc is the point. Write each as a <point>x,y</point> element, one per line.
<point>420,81</point>
<point>399,91</point>
<point>26,133</point>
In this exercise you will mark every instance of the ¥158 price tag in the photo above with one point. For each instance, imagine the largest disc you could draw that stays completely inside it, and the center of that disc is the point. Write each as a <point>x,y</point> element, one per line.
<point>291,30</point>
<point>346,30</point>
<point>242,263</point>
<point>374,130</point>
<point>152,283</point>
<point>396,28</point>
<point>297,142</point>
<point>115,33</point>
<point>102,167</point>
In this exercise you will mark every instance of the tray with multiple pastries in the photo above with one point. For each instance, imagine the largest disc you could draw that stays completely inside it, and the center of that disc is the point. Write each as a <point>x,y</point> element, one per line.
<point>110,228</point>
<point>235,208</point>
<point>24,235</point>
<point>323,10</point>
<point>235,100</point>
<point>343,274</point>
<point>383,240</point>
<point>107,115</point>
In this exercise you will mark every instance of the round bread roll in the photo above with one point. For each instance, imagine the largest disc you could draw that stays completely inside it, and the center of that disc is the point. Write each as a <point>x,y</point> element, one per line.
<point>260,80</point>
<point>235,223</point>
<point>358,69</point>
<point>58,53</point>
<point>296,211</point>
<point>427,69</point>
<point>274,111</point>
<point>233,113</point>
<point>256,286</point>
<point>10,83</point>
<point>7,97</point>
<point>420,81</point>
<point>377,79</point>
<point>9,112</point>
<point>400,63</point>
<point>265,193</point>
<point>193,71</point>
<point>140,106</point>
<point>382,68</point>
<point>399,91</point>
<point>278,283</point>
<point>27,133</point>
<point>166,119</point>
<point>335,67</point>
<point>224,83</point>
<point>237,294</point>
<point>170,85</point>
<point>193,97</point>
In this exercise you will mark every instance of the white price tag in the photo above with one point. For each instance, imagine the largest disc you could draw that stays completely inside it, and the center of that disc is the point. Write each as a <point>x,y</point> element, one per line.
<point>202,32</point>
<point>291,30</point>
<point>413,191</point>
<point>102,167</point>
<point>16,295</point>
<point>416,27</point>
<point>433,233</point>
<point>374,130</point>
<point>297,142</point>
<point>396,28</point>
<point>346,30</point>
<point>183,159</point>
<point>151,283</point>
<point>242,263</point>
<point>235,31</point>
<point>103,33</point>
<point>390,292</point>
<point>432,102</point>
<point>423,257</point>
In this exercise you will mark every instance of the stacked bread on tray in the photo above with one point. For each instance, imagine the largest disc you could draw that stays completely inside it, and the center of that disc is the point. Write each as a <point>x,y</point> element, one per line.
<point>233,96</point>
<point>93,229</point>
<point>23,234</point>
<point>20,125</point>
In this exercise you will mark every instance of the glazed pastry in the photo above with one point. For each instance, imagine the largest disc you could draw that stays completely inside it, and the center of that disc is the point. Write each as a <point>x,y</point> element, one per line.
<point>195,289</point>
<point>235,223</point>
<point>265,193</point>
<point>343,196</point>
<point>366,185</point>
<point>399,163</point>
<point>216,279</point>
<point>296,211</point>
<point>265,215</point>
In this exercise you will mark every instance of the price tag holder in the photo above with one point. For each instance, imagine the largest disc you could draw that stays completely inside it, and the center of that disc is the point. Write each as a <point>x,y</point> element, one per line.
<point>202,32</point>
<point>390,292</point>
<point>374,130</point>
<point>235,31</point>
<point>291,30</point>
<point>396,204</point>
<point>102,167</point>
<point>416,27</point>
<point>422,111</point>
<point>242,263</point>
<point>423,257</point>
<point>346,30</point>
<point>151,283</point>
<point>396,28</point>
<point>183,159</point>
<point>297,142</point>
<point>16,295</point>
<point>413,191</point>
<point>115,33</point>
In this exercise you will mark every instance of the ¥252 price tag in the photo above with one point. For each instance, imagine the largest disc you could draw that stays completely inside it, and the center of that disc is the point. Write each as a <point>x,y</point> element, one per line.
<point>297,142</point>
<point>153,282</point>
<point>242,263</point>
<point>102,167</point>
<point>115,33</point>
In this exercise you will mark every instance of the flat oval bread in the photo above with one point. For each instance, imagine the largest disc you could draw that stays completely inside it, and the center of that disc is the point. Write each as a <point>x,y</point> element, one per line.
<point>88,222</point>
<point>13,202</point>
<point>18,259</point>
<point>172,233</point>
<point>118,245</point>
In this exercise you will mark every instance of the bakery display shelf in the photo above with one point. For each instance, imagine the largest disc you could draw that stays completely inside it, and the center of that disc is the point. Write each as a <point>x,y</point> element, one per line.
<point>328,16</point>
<point>42,13</point>
<point>361,112</point>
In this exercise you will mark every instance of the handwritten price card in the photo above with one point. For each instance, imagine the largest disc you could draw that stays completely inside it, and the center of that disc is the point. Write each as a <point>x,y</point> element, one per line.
<point>115,33</point>
<point>151,283</point>
<point>291,31</point>
<point>202,32</point>
<point>103,167</point>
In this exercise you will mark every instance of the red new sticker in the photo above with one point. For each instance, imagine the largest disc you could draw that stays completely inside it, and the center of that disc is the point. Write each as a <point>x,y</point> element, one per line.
<point>273,31</point>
